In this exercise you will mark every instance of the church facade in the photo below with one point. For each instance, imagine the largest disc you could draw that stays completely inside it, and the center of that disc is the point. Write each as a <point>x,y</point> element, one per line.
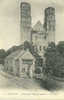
<point>40,35</point>
<point>22,62</point>
<point>38,38</point>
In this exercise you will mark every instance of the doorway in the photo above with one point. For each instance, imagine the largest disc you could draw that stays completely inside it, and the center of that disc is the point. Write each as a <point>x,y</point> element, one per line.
<point>17,63</point>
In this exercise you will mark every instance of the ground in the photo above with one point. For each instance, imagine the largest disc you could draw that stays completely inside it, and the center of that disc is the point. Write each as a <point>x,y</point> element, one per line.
<point>10,81</point>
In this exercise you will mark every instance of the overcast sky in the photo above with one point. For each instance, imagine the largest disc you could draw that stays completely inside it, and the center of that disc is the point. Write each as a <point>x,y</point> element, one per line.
<point>9,19</point>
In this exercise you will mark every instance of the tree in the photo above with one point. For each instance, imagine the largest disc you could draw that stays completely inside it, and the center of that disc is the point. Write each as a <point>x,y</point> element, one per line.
<point>2,56</point>
<point>60,47</point>
<point>38,71</point>
<point>13,49</point>
<point>26,45</point>
<point>54,61</point>
<point>50,55</point>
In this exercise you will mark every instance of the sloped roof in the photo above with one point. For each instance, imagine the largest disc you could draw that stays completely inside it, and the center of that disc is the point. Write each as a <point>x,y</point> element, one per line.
<point>38,27</point>
<point>25,54</point>
<point>14,54</point>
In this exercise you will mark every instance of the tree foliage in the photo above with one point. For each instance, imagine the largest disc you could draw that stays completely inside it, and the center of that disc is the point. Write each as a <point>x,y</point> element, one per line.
<point>2,56</point>
<point>60,47</point>
<point>54,61</point>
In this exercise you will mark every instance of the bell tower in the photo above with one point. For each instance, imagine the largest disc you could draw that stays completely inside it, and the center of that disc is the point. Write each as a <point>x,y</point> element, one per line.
<point>25,21</point>
<point>50,24</point>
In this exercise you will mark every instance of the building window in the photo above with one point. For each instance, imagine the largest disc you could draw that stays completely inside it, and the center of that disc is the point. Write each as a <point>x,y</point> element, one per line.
<point>40,48</point>
<point>7,61</point>
<point>6,68</point>
<point>36,38</point>
<point>35,48</point>
<point>11,69</point>
<point>23,70</point>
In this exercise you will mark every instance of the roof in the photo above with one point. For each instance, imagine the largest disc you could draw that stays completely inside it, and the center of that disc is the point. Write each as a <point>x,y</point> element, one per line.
<point>25,54</point>
<point>50,7</point>
<point>25,2</point>
<point>15,53</point>
<point>38,27</point>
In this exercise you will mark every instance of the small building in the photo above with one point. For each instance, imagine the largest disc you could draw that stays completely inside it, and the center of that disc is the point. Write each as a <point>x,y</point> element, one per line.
<point>20,63</point>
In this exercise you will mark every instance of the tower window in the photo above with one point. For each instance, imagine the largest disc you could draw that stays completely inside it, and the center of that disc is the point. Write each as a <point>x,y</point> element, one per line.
<point>35,48</point>
<point>40,48</point>
<point>36,37</point>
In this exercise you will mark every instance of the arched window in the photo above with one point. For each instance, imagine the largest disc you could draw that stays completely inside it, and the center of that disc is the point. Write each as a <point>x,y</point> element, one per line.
<point>40,48</point>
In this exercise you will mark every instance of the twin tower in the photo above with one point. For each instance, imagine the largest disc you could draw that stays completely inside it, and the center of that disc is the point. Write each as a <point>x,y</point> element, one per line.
<point>26,25</point>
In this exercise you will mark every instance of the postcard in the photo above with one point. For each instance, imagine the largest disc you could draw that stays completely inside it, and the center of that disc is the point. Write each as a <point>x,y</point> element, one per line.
<point>31,49</point>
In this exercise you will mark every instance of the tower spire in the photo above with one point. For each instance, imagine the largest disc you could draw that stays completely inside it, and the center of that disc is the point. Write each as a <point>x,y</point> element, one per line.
<point>49,23</point>
<point>25,20</point>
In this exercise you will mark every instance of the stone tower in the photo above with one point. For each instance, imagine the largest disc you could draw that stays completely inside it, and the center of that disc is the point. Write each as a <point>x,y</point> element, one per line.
<point>25,21</point>
<point>49,24</point>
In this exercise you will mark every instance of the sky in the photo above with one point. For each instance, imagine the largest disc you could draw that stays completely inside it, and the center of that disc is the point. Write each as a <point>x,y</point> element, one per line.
<point>10,20</point>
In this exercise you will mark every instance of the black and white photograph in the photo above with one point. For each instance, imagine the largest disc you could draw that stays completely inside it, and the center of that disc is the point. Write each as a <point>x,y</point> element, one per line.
<point>32,45</point>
